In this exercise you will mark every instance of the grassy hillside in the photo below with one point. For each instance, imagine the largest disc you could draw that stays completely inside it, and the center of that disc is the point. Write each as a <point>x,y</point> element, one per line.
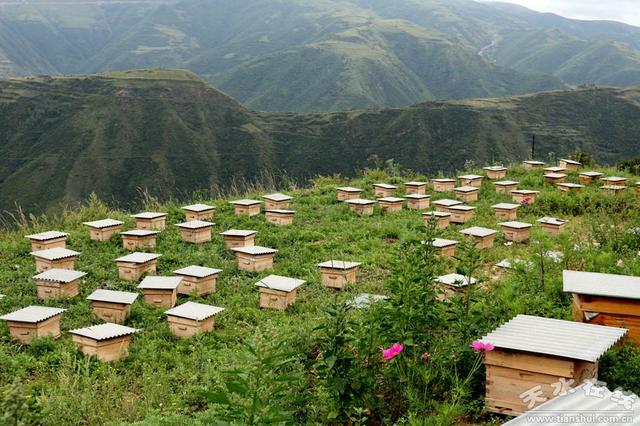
<point>314,363</point>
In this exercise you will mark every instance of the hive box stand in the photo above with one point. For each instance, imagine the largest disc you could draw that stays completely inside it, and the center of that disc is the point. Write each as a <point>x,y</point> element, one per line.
<point>461,213</point>
<point>246,207</point>
<point>506,186</point>
<point>277,201</point>
<point>570,165</point>
<point>280,217</point>
<point>151,221</point>
<point>484,237</point>
<point>361,207</point>
<point>471,180</point>
<point>112,306</point>
<point>532,164</point>
<point>195,231</point>
<point>467,194</point>
<point>135,265</point>
<point>524,196</point>
<point>160,291</point>
<point>506,211</point>
<point>139,238</point>
<point>57,283</point>
<point>443,185</point>
<point>103,230</point>
<point>33,322</point>
<point>442,219</point>
<point>391,204</point>
<point>415,188</point>
<point>48,240</point>
<point>446,248</point>
<point>238,238</point>
<point>338,274</point>
<point>348,193</point>
<point>277,292</point>
<point>191,318</point>
<point>495,172</point>
<point>200,279</point>
<point>551,225</point>
<point>107,342</point>
<point>418,201</point>
<point>198,212</point>
<point>516,231</point>
<point>384,189</point>
<point>55,258</point>
<point>254,258</point>
<point>587,178</point>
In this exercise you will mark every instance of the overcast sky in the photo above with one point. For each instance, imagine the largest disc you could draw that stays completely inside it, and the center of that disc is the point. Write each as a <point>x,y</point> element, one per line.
<point>627,11</point>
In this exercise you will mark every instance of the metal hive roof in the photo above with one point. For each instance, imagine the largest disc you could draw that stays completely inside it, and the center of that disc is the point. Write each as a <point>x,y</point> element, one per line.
<point>280,211</point>
<point>195,224</point>
<point>466,188</point>
<point>391,199</point>
<point>349,189</point>
<point>246,202</point>
<point>149,215</point>
<point>461,207</point>
<point>447,202</point>
<point>570,185</point>
<point>32,314</point>
<point>555,169</point>
<point>59,275</point>
<point>280,283</point>
<point>385,185</point>
<point>238,233</point>
<point>442,242</point>
<point>471,177</point>
<point>416,183</point>
<point>112,296</point>
<point>555,337</point>
<point>516,225</point>
<point>48,235</point>
<point>338,264</point>
<point>198,207</point>
<point>614,187</point>
<point>364,300</point>
<point>443,180</point>
<point>360,201</point>
<point>598,284</point>
<point>55,253</point>
<point>495,168</point>
<point>138,257</point>
<point>104,223</point>
<point>505,206</point>
<point>591,174</point>
<point>506,182</point>
<point>254,250</point>
<point>614,179</point>
<point>524,191</point>
<point>197,271</point>
<point>555,175</point>
<point>160,283</point>
<point>436,214</point>
<point>552,220</point>
<point>418,196</point>
<point>139,233</point>
<point>455,280</point>
<point>533,162</point>
<point>478,231</point>
<point>194,311</point>
<point>104,331</point>
<point>566,160</point>
<point>277,197</point>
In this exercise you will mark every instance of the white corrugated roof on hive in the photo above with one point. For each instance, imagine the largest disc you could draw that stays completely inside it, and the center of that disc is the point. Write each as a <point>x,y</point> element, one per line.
<point>555,175</point>
<point>555,169</point>
<point>349,189</point>
<point>139,233</point>
<point>56,253</point>
<point>533,162</point>
<point>254,250</point>
<point>360,201</point>
<point>591,174</point>
<point>277,197</point>
<point>104,331</point>
<point>506,183</point>
<point>198,208</point>
<point>195,224</point>
<point>48,235</point>
<point>32,314</point>
<point>238,233</point>
<point>160,282</point>
<point>418,196</point>
<point>442,242</point>
<point>59,275</point>
<point>547,336</point>
<point>443,180</point>
<point>552,221</point>
<point>413,183</point>
<point>505,206</point>
<point>478,231</point>
<point>495,168</point>
<point>613,187</point>
<point>391,199</point>
<point>570,185</point>
<point>104,223</point>
<point>615,179</point>
<point>455,280</point>
<point>339,264</point>
<point>280,283</point>
<point>461,207</point>
<point>466,188</point>
<point>511,264</point>
<point>365,300</point>
<point>280,211</point>
<point>149,215</point>
<point>138,257</point>
<point>599,284</point>
<point>194,311</point>
<point>246,202</point>
<point>447,202</point>
<point>437,214</point>
<point>524,191</point>
<point>197,271</point>
<point>385,185</point>
<point>516,225</point>
<point>112,296</point>
<point>569,161</point>
<point>471,177</point>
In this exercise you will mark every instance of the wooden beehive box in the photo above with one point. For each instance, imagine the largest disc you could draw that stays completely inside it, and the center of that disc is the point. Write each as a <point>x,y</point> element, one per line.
<point>516,231</point>
<point>569,187</point>
<point>391,204</point>
<point>198,212</point>
<point>443,185</point>
<point>200,279</point>
<point>103,230</point>
<point>279,217</point>
<point>452,283</point>
<point>446,248</point>
<point>524,196</point>
<point>254,258</point>
<point>138,239</point>
<point>533,164</point>
<point>238,238</point>
<point>55,258</point>
<point>277,292</point>
<point>48,240</point>
<point>461,213</point>
<point>191,318</point>
<point>467,194</point>
<point>444,204</point>
<point>418,201</point>
<point>112,306</point>
<point>534,353</point>
<point>442,219</point>
<point>570,165</point>
<point>338,273</point>
<point>554,178</point>
<point>133,266</point>
<point>415,187</point>
<point>246,207</point>
<point>587,178</point>
<point>384,189</point>
<point>495,172</point>
<point>151,221</point>
<point>551,225</point>
<point>554,169</point>
<point>638,187</point>
<point>506,211</point>
<point>605,299</point>
<point>195,231</point>
<point>107,342</point>
<point>471,180</point>
<point>614,181</point>
<point>506,186</point>
<point>160,291</point>
<point>32,322</point>
<point>348,193</point>
<point>58,283</point>
<point>613,189</point>
<point>277,201</point>
<point>484,237</point>
<point>361,206</point>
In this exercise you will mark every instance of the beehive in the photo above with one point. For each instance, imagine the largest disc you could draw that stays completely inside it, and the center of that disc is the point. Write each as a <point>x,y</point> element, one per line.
<point>554,178</point>
<point>200,279</point>
<point>198,212</point>
<point>254,258</point>
<point>150,220</point>
<point>613,189</point>
<point>103,230</point>
<point>48,240</point>
<point>277,201</point>
<point>461,213</point>
<point>191,318</point>
<point>484,237</point>
<point>516,231</point>
<point>506,186</point>
<point>614,181</point>
<point>384,189</point>
<point>471,180</point>
<point>132,266</point>
<point>57,283</point>
<point>390,204</point>
<point>361,206</point>
<point>442,219</point>
<point>195,231</point>
<point>586,178</point>
<point>569,187</point>
<point>348,193</point>
<point>238,238</point>
<point>533,164</point>
<point>32,322</point>
<point>443,185</point>
<point>55,258</point>
<point>246,207</point>
<point>467,194</point>
<point>495,172</point>
<point>338,273</point>
<point>506,211</point>
<point>570,165</point>
<point>160,291</point>
<point>279,217</point>
<point>638,187</point>
<point>605,299</point>
<point>112,306</point>
<point>445,247</point>
<point>418,201</point>
<point>554,169</point>
<point>444,204</point>
<point>551,225</point>
<point>277,292</point>
<point>107,342</point>
<point>451,283</point>
<point>139,238</point>
<point>415,187</point>
<point>524,196</point>
<point>364,300</point>
<point>534,353</point>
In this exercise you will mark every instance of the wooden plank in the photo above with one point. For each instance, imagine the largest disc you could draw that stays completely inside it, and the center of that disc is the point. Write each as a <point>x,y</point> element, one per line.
<point>611,305</point>
<point>530,362</point>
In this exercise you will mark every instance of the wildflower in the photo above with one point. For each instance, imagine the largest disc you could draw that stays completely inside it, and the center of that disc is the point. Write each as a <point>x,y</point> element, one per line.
<point>479,346</point>
<point>392,352</point>
<point>425,357</point>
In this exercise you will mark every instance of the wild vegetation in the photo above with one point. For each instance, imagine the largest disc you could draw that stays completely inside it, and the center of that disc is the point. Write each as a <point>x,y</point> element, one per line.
<point>321,360</point>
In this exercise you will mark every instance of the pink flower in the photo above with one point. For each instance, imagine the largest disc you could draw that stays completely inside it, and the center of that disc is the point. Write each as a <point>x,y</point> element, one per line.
<point>479,346</point>
<point>392,352</point>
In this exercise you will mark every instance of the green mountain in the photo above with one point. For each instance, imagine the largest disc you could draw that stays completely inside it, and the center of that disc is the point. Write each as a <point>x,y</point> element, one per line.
<point>171,133</point>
